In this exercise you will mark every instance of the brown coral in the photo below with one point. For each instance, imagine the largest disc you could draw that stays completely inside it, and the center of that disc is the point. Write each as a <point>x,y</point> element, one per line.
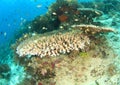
<point>90,12</point>
<point>62,18</point>
<point>92,29</point>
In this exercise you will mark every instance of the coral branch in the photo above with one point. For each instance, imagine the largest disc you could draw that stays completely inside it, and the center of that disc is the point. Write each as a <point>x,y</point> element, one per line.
<point>92,29</point>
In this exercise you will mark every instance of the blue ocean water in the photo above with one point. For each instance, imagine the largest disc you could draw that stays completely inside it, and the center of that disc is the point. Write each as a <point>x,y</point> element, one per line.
<point>13,15</point>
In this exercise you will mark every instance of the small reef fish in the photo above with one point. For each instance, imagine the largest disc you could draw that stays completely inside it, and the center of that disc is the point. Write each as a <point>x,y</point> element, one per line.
<point>46,7</point>
<point>39,6</point>
<point>3,33</point>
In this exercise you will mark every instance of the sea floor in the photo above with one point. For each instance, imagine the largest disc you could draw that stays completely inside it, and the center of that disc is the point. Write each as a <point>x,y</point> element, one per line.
<point>91,70</point>
<point>96,67</point>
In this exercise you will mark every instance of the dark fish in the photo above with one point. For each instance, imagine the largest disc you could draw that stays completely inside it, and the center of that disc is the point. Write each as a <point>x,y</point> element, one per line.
<point>4,34</point>
<point>46,7</point>
<point>1,32</point>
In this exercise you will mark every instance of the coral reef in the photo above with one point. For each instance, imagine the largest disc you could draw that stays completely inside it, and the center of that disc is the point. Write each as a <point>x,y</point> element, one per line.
<point>92,29</point>
<point>4,71</point>
<point>61,15</point>
<point>68,47</point>
<point>106,6</point>
<point>57,44</point>
<point>77,53</point>
<point>44,68</point>
<point>76,67</point>
<point>53,45</point>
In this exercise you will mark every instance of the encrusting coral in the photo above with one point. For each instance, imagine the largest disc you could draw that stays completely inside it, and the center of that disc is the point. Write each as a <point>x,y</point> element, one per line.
<point>60,43</point>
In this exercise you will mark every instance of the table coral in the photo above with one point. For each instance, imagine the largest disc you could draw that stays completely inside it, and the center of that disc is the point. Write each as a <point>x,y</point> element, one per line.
<point>60,43</point>
<point>92,29</point>
<point>53,45</point>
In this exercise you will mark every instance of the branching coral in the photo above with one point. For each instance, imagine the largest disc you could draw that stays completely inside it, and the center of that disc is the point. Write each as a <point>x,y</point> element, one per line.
<point>53,45</point>
<point>60,43</point>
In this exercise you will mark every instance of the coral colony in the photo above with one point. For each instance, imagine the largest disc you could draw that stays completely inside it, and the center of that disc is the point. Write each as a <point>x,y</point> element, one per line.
<point>53,45</point>
<point>66,34</point>
<point>63,14</point>
<point>60,43</point>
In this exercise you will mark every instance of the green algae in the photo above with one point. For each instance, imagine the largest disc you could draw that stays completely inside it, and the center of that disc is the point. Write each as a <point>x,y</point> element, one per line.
<point>83,54</point>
